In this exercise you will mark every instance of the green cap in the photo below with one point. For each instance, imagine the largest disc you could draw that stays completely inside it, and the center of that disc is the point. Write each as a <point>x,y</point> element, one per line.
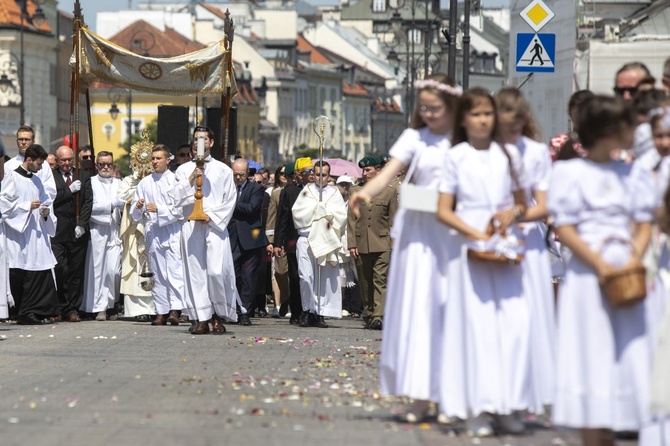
<point>289,168</point>
<point>369,161</point>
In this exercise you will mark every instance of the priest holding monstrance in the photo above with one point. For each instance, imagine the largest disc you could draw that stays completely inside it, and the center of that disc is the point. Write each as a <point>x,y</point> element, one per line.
<point>207,186</point>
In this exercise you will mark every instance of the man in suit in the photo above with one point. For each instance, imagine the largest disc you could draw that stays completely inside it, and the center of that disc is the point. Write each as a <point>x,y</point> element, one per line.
<point>286,238</point>
<point>247,236</point>
<point>369,241</point>
<point>70,243</point>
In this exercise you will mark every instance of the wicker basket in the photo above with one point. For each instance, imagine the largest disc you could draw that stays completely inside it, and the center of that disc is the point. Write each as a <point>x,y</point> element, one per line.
<point>493,257</point>
<point>623,286</point>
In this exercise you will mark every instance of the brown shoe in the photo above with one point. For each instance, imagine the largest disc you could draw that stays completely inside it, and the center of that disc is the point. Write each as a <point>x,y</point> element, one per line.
<point>173,317</point>
<point>201,329</point>
<point>184,318</point>
<point>160,320</point>
<point>58,318</point>
<point>217,325</point>
<point>73,317</point>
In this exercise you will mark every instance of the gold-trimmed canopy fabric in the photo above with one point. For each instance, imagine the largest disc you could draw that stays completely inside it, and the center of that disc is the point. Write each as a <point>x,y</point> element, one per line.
<point>200,72</point>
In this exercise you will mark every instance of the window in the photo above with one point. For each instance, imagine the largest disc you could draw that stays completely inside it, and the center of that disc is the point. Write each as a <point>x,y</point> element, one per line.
<point>414,35</point>
<point>378,5</point>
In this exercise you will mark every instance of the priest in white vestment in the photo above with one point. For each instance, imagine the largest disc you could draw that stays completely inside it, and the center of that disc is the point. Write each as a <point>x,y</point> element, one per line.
<point>137,302</point>
<point>103,258</point>
<point>25,137</point>
<point>29,222</point>
<point>211,293</point>
<point>320,217</point>
<point>155,203</point>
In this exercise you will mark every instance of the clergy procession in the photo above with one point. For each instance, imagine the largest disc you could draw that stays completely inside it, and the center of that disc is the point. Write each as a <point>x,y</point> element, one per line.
<point>508,279</point>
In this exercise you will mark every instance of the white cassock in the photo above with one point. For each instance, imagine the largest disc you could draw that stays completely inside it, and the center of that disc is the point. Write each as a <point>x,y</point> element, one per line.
<point>163,235</point>
<point>103,258</point>
<point>209,270</point>
<point>137,301</point>
<point>4,274</point>
<point>320,224</point>
<point>45,174</point>
<point>27,240</point>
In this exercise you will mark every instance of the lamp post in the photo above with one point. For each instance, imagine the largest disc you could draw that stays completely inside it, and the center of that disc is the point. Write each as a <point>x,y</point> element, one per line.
<point>115,94</point>
<point>409,32</point>
<point>37,19</point>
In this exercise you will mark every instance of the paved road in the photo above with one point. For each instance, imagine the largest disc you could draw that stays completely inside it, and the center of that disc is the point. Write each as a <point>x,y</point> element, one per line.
<point>127,383</point>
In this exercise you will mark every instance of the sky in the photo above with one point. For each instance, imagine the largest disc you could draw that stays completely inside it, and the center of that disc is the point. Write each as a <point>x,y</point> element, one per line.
<point>92,7</point>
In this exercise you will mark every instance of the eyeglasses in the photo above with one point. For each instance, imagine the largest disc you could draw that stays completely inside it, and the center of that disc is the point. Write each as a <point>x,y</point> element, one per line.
<point>619,91</point>
<point>103,165</point>
<point>282,173</point>
<point>24,139</point>
<point>307,171</point>
<point>432,110</point>
<point>184,155</point>
<point>86,157</point>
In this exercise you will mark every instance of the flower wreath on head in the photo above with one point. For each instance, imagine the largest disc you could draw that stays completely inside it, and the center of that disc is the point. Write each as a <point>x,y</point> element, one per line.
<point>661,111</point>
<point>439,86</point>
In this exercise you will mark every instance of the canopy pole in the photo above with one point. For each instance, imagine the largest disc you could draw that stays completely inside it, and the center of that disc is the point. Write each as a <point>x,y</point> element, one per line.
<point>226,100</point>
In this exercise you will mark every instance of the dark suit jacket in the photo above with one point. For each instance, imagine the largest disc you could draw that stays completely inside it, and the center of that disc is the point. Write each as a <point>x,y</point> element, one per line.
<point>64,206</point>
<point>246,226</point>
<point>286,235</point>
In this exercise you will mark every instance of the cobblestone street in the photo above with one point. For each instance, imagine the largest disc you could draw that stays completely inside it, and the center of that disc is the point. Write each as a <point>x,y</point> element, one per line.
<point>127,383</point>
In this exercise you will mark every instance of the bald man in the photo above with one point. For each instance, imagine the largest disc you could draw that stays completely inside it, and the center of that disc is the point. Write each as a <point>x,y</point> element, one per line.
<point>247,237</point>
<point>70,243</point>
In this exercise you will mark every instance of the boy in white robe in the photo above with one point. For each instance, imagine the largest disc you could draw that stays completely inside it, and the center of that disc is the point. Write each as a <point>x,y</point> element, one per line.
<point>29,222</point>
<point>103,258</point>
<point>154,202</point>
<point>209,273</point>
<point>320,218</point>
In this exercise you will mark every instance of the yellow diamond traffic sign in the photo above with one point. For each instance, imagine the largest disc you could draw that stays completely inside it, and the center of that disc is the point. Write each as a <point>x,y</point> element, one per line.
<point>537,14</point>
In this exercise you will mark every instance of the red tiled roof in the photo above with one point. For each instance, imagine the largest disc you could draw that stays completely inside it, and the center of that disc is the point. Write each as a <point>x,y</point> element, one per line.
<point>10,14</point>
<point>246,95</point>
<point>214,10</point>
<point>141,37</point>
<point>389,105</point>
<point>355,90</point>
<point>315,56</point>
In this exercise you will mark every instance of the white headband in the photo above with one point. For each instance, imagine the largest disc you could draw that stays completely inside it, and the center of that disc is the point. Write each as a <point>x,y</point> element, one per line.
<point>439,86</point>
<point>665,113</point>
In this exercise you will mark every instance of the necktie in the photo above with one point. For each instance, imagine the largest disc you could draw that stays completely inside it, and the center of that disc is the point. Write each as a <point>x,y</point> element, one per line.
<point>239,191</point>
<point>68,180</point>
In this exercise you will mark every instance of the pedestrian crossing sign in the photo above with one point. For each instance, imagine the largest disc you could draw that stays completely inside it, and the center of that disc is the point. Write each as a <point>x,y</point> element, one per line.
<point>535,53</point>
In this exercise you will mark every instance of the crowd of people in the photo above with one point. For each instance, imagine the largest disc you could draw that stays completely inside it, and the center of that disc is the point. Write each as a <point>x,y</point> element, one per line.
<point>486,256</point>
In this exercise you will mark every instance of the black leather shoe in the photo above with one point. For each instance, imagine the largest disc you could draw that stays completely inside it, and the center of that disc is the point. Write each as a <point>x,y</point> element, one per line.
<point>283,309</point>
<point>375,325</point>
<point>320,322</point>
<point>294,321</point>
<point>243,319</point>
<point>305,319</point>
<point>29,319</point>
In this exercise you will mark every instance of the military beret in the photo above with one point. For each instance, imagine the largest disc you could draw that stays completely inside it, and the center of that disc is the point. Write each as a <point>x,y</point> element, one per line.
<point>289,168</point>
<point>385,158</point>
<point>369,161</point>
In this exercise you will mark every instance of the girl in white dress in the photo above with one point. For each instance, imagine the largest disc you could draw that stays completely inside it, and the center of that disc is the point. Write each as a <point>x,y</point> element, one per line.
<point>485,354</point>
<point>603,350</point>
<point>416,286</point>
<point>516,126</point>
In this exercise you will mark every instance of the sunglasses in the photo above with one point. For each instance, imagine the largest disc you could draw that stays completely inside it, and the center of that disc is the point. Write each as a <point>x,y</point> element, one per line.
<point>619,91</point>
<point>282,173</point>
<point>86,157</point>
<point>184,155</point>
<point>103,165</point>
<point>307,171</point>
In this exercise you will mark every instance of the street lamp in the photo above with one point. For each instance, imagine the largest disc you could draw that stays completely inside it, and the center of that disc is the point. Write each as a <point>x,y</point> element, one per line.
<point>411,32</point>
<point>37,19</point>
<point>114,95</point>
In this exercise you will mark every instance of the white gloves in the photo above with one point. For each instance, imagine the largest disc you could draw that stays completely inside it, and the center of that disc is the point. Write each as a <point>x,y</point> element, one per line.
<point>75,186</point>
<point>118,203</point>
<point>79,231</point>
